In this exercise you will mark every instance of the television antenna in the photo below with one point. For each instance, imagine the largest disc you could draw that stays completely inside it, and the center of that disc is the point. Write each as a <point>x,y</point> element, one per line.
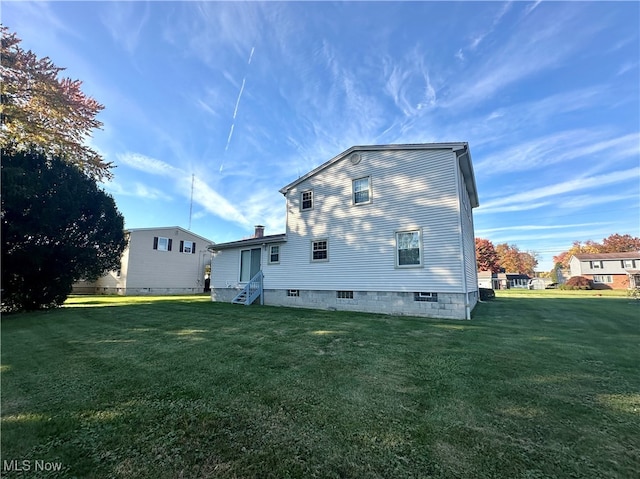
<point>191,202</point>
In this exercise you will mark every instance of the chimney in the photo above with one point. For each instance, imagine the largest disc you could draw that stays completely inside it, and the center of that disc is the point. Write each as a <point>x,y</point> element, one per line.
<point>259,231</point>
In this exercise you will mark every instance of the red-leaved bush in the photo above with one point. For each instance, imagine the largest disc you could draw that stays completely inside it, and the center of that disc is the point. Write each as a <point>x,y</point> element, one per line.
<point>578,282</point>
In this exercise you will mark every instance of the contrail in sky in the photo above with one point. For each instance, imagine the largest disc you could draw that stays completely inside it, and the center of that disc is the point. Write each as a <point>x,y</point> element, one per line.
<point>235,110</point>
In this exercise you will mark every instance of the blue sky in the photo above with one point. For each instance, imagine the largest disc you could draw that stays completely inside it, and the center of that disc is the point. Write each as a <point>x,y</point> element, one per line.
<point>245,97</point>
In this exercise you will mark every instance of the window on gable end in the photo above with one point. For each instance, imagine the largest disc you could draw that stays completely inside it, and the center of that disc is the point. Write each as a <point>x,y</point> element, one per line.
<point>306,200</point>
<point>188,247</point>
<point>361,191</point>
<point>161,244</point>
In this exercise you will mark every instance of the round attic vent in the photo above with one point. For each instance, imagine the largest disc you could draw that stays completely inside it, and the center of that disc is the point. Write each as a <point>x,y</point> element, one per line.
<point>355,158</point>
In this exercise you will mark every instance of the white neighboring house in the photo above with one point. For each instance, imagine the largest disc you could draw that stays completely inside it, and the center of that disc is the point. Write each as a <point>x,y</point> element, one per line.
<point>165,260</point>
<point>608,270</point>
<point>384,229</point>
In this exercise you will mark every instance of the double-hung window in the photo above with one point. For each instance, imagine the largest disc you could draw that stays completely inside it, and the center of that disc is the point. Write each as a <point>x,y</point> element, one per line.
<point>408,249</point>
<point>306,200</point>
<point>274,254</point>
<point>362,191</point>
<point>161,244</point>
<point>188,247</point>
<point>320,250</point>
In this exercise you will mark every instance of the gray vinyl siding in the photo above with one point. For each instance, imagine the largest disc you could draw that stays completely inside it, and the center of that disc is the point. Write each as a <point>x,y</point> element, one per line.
<point>608,266</point>
<point>410,190</point>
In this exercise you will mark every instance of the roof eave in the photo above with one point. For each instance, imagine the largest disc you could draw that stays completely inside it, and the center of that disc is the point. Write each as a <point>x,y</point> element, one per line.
<point>454,146</point>
<point>281,238</point>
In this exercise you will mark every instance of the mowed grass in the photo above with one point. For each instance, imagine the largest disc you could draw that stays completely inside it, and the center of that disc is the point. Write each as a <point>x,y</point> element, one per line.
<point>538,384</point>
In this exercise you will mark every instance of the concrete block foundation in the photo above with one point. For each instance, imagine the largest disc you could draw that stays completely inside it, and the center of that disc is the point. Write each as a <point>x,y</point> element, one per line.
<point>434,305</point>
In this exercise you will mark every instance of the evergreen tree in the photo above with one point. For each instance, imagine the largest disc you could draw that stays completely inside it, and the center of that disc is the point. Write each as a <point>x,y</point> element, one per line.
<point>57,227</point>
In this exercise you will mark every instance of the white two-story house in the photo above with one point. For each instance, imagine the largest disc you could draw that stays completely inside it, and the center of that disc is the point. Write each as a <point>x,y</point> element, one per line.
<point>156,261</point>
<point>608,270</point>
<point>384,229</point>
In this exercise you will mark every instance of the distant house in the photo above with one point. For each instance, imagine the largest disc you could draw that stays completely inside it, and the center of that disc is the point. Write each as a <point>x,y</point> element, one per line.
<point>384,229</point>
<point>487,279</point>
<point>165,260</point>
<point>608,270</point>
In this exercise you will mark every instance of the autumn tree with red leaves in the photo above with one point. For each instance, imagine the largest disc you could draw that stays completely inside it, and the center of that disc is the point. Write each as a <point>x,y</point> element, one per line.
<point>486,256</point>
<point>42,112</point>
<point>620,244</point>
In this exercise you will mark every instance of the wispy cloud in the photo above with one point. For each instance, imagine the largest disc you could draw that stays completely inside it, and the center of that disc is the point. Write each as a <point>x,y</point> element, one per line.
<point>559,148</point>
<point>149,165</point>
<point>531,7</point>
<point>478,38</point>
<point>125,22</point>
<point>409,84</point>
<point>212,201</point>
<point>138,190</point>
<point>536,45</point>
<point>524,200</point>
<point>520,228</point>
<point>208,198</point>
<point>626,67</point>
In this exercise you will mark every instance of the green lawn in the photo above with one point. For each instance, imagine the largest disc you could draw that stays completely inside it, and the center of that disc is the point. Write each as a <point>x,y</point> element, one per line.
<point>538,384</point>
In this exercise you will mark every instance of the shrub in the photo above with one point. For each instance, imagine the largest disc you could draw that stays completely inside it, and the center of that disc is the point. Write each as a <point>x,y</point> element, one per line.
<point>486,294</point>
<point>577,282</point>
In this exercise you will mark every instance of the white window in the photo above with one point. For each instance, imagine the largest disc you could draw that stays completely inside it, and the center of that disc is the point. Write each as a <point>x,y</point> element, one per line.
<point>596,264</point>
<point>408,249</point>
<point>628,263</point>
<point>274,254</point>
<point>602,278</point>
<point>188,247</point>
<point>426,297</point>
<point>293,293</point>
<point>320,250</point>
<point>362,191</point>
<point>162,244</point>
<point>306,200</point>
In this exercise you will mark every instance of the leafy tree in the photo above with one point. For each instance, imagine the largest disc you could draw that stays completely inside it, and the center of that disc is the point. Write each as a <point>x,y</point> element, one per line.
<point>617,243</point>
<point>57,227</point>
<point>486,256</point>
<point>528,262</point>
<point>614,243</point>
<point>42,112</point>
<point>561,260</point>
<point>512,260</point>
